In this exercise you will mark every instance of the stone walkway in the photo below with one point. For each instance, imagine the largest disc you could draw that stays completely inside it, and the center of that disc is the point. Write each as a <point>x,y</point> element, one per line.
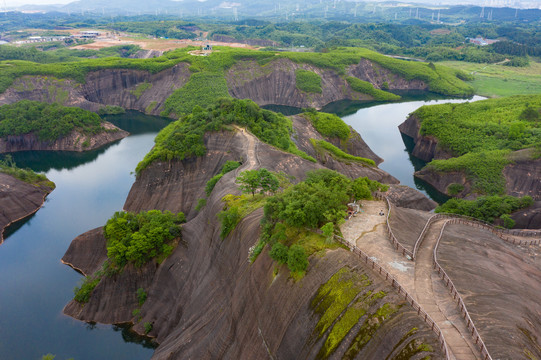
<point>366,231</point>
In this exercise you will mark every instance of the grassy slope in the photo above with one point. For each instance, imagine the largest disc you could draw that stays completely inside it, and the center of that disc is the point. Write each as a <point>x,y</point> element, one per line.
<point>499,80</point>
<point>482,135</point>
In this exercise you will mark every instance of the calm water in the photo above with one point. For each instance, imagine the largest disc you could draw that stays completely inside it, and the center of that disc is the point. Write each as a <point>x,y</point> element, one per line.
<point>34,284</point>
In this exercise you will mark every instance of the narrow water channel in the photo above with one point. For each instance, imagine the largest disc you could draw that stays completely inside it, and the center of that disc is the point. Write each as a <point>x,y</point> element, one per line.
<point>34,284</point>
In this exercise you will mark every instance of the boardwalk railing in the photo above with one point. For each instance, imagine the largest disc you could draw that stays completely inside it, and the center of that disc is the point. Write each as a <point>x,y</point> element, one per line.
<point>396,244</point>
<point>456,296</point>
<point>401,291</point>
<point>504,234</point>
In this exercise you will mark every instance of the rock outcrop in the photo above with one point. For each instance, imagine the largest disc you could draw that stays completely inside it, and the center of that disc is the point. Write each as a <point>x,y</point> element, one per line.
<point>207,301</point>
<point>75,141</point>
<point>18,200</point>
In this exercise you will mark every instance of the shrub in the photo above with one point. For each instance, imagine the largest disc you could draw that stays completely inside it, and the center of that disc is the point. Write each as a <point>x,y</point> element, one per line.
<point>229,219</point>
<point>138,238</point>
<point>308,81</point>
<point>365,87</point>
<point>148,327</point>
<point>507,221</point>
<point>279,252</point>
<point>455,189</point>
<point>83,292</point>
<point>329,125</point>
<point>141,296</point>
<point>201,204</point>
<point>339,154</point>
<point>297,260</point>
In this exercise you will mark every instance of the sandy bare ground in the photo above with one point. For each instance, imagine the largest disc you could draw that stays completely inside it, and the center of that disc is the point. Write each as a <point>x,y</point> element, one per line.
<point>154,44</point>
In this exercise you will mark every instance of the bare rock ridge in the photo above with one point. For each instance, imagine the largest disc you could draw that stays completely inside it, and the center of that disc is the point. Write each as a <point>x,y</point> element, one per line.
<point>18,200</point>
<point>206,301</point>
<point>140,90</point>
<point>75,141</point>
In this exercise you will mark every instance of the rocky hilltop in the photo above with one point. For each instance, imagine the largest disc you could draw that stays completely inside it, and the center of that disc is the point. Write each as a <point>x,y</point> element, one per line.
<point>19,199</point>
<point>207,301</point>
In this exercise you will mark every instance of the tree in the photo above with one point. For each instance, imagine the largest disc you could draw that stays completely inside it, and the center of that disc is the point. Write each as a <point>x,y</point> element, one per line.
<point>252,180</point>
<point>297,260</point>
<point>249,181</point>
<point>279,252</point>
<point>267,181</point>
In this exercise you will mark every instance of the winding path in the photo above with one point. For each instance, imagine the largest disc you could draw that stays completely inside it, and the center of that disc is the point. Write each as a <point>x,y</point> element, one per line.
<point>252,161</point>
<point>419,279</point>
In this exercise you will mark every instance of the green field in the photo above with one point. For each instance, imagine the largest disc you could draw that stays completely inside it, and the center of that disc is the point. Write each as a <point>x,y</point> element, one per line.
<point>499,80</point>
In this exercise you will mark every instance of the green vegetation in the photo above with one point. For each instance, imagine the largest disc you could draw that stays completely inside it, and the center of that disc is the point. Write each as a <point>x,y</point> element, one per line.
<point>148,327</point>
<point>329,125</point>
<point>261,179</point>
<point>365,87</point>
<point>168,29</point>
<point>111,110</point>
<point>308,81</point>
<point>141,296</point>
<point>338,153</point>
<point>483,169</point>
<point>184,138</point>
<point>482,135</point>
<point>140,89</point>
<point>499,80</point>
<point>83,292</point>
<point>47,121</point>
<point>8,166</point>
<point>237,207</point>
<point>151,107</point>
<point>138,238</point>
<point>455,189</point>
<point>201,204</point>
<point>369,328</point>
<point>486,208</point>
<point>320,199</point>
<point>227,167</point>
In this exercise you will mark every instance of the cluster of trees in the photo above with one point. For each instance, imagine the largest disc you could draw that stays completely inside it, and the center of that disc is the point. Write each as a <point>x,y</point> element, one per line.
<point>319,201</point>
<point>48,121</point>
<point>184,138</point>
<point>138,238</point>
<point>487,208</point>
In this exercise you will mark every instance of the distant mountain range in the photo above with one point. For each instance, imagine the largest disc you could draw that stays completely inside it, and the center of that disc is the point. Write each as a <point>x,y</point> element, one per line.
<point>276,8</point>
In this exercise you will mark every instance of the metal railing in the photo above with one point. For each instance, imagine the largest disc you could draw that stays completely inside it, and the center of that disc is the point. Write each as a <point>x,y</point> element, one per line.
<point>472,330</point>
<point>401,291</point>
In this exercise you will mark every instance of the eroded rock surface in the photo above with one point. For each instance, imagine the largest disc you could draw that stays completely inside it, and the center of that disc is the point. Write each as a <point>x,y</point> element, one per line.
<point>500,284</point>
<point>18,200</point>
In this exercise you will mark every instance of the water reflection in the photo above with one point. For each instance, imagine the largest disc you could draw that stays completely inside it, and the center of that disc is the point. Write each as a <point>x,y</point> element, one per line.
<point>34,285</point>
